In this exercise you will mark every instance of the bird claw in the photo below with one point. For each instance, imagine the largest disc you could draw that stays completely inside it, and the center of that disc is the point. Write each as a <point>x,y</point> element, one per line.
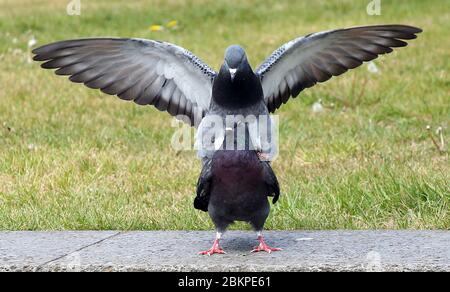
<point>212,251</point>
<point>265,248</point>
<point>215,249</point>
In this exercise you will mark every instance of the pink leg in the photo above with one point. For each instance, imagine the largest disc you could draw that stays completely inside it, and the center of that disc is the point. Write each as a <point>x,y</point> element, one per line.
<point>214,249</point>
<point>263,246</point>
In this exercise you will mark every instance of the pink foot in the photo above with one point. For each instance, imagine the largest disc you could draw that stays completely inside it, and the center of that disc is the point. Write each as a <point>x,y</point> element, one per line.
<point>214,249</point>
<point>264,247</point>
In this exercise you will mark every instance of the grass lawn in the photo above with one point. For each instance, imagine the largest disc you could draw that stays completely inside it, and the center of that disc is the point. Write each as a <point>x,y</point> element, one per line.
<point>74,158</point>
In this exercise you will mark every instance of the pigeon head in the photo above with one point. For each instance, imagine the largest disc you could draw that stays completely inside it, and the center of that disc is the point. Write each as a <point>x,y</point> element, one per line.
<point>236,60</point>
<point>236,85</point>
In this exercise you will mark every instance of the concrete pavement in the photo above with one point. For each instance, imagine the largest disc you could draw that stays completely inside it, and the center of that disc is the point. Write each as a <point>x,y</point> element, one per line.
<point>177,251</point>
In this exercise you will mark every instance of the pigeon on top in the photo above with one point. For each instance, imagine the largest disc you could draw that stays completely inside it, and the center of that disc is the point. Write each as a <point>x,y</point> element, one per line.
<point>234,183</point>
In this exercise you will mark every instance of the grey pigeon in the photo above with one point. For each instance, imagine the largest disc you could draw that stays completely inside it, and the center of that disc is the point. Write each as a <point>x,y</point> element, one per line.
<point>234,183</point>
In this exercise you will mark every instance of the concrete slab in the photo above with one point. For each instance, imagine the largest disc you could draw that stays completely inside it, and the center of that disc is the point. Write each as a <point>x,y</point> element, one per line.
<point>177,251</point>
<point>28,250</point>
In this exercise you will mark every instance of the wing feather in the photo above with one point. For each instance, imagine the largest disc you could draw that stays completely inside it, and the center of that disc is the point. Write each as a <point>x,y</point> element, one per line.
<point>145,71</point>
<point>303,62</point>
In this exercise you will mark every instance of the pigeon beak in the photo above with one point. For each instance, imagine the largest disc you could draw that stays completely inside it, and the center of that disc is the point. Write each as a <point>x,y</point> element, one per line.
<point>232,73</point>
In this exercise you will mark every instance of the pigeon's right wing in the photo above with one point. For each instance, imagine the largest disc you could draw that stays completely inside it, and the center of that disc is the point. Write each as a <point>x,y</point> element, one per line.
<point>145,71</point>
<point>317,57</point>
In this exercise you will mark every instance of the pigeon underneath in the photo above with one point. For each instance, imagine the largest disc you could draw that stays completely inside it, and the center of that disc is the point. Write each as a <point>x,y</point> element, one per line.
<point>234,183</point>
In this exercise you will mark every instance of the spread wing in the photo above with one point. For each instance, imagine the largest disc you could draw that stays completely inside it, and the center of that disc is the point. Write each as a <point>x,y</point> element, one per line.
<point>148,72</point>
<point>303,62</point>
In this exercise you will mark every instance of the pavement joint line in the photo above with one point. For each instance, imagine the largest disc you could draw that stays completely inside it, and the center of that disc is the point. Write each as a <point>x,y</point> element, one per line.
<point>78,250</point>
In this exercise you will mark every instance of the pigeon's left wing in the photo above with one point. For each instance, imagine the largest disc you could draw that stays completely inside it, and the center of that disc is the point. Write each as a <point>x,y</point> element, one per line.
<point>303,62</point>
<point>145,71</point>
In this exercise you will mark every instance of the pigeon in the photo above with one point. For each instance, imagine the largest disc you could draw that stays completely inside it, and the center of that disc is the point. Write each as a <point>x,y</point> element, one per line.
<point>235,182</point>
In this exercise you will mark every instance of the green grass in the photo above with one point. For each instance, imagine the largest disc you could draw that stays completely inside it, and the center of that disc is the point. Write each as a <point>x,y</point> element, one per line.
<point>73,158</point>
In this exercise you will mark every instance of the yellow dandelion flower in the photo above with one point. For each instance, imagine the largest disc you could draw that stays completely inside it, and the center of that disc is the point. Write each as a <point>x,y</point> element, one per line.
<point>172,24</point>
<point>156,27</point>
